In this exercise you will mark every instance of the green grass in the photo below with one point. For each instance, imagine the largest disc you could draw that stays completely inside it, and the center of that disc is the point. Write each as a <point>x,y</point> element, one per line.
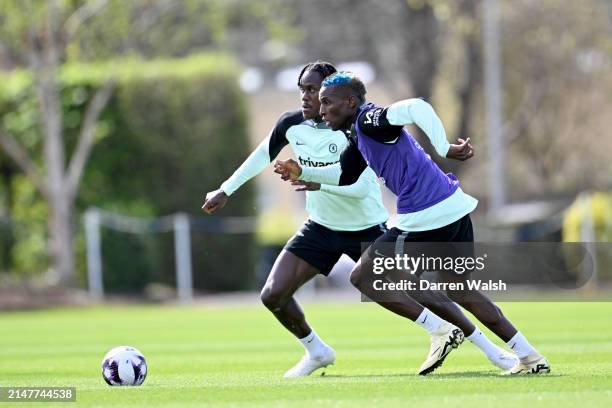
<point>236,356</point>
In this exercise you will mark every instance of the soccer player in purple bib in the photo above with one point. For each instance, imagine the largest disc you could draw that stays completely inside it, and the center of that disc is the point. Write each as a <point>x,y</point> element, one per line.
<point>431,205</point>
<point>341,220</point>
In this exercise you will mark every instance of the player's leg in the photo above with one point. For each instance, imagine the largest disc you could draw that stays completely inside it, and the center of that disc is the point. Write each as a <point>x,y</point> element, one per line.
<point>288,274</point>
<point>437,302</point>
<point>489,314</point>
<point>363,278</point>
<point>445,336</point>
<point>476,302</point>
<point>443,306</point>
<point>307,254</point>
<point>526,358</point>
<point>398,302</point>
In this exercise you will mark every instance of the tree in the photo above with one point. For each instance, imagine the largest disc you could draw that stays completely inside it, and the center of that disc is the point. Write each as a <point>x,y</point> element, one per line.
<point>557,88</point>
<point>47,35</point>
<point>404,40</point>
<point>43,35</point>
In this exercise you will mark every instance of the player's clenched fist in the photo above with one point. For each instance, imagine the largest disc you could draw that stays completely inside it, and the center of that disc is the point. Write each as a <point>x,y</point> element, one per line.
<point>288,169</point>
<point>463,150</point>
<point>215,200</point>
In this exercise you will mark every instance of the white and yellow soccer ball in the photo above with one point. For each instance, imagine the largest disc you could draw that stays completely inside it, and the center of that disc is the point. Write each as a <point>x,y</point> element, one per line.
<point>124,365</point>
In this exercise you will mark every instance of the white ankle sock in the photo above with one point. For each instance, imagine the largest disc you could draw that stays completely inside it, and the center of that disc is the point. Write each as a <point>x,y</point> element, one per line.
<point>313,344</point>
<point>429,321</point>
<point>480,340</point>
<point>520,346</point>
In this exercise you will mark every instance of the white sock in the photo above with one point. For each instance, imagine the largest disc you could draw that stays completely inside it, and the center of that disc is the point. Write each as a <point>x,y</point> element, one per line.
<point>429,320</point>
<point>520,346</point>
<point>480,340</point>
<point>313,344</point>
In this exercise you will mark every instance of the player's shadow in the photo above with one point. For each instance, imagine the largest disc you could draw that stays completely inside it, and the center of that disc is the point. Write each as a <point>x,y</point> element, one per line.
<point>493,374</point>
<point>472,374</point>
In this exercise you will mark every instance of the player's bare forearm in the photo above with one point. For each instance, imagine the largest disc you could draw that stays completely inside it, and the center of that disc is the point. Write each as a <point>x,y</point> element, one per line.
<point>306,185</point>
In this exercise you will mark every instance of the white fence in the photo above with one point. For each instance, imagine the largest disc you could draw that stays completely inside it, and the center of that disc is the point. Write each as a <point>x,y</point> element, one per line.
<point>180,223</point>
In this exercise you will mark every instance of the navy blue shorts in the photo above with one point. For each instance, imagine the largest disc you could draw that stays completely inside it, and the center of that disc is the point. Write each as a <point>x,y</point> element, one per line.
<point>321,247</point>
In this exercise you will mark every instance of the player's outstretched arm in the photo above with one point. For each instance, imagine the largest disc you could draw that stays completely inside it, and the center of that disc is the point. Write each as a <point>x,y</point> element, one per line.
<point>263,155</point>
<point>344,173</point>
<point>360,189</point>
<point>422,114</point>
<point>252,166</point>
<point>290,170</point>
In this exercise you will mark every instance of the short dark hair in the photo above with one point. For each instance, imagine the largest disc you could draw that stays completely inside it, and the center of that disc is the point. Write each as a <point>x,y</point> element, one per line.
<point>348,80</point>
<point>324,68</point>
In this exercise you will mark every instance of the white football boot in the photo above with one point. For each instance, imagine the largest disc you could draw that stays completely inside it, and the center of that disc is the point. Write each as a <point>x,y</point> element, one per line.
<point>535,363</point>
<point>504,360</point>
<point>443,341</point>
<point>308,364</point>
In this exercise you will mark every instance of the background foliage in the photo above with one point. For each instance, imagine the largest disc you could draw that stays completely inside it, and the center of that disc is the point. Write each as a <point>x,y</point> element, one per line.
<point>173,129</point>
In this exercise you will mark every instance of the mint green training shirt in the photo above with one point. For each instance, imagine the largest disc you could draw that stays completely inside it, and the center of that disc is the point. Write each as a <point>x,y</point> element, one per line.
<point>340,208</point>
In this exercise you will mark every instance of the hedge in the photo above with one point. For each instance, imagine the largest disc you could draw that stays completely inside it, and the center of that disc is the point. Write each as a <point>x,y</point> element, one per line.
<point>173,130</point>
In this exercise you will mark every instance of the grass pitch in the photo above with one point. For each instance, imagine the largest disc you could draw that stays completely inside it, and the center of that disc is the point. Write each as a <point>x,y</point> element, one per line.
<point>236,355</point>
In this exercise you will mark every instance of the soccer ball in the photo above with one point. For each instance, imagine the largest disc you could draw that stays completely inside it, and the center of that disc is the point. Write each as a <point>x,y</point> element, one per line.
<point>124,365</point>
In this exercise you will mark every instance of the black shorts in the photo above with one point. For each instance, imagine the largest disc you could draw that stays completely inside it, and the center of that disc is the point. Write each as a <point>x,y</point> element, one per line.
<point>452,244</point>
<point>321,247</point>
<point>458,231</point>
<point>397,242</point>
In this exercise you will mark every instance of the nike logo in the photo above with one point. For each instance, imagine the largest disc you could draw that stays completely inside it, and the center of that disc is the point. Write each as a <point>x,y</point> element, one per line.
<point>378,253</point>
<point>434,352</point>
<point>512,348</point>
<point>310,341</point>
<point>299,143</point>
<point>540,367</point>
<point>425,319</point>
